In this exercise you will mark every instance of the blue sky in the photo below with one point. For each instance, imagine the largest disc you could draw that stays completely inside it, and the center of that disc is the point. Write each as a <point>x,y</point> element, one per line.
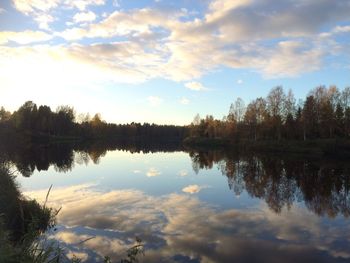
<point>164,61</point>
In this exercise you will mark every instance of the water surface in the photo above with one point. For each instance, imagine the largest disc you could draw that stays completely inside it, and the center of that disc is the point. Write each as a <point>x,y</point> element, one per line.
<point>207,206</point>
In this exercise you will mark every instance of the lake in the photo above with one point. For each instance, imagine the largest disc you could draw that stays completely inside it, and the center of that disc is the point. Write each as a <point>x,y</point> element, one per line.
<point>190,206</point>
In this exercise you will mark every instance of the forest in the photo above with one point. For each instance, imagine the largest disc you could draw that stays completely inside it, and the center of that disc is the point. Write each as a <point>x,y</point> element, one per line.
<point>324,114</point>
<point>41,123</point>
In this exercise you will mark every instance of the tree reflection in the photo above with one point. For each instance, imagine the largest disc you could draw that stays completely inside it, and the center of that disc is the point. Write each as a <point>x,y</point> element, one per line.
<point>323,184</point>
<point>27,158</point>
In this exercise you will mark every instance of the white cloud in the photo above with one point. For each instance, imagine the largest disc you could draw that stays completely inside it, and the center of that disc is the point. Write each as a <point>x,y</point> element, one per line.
<point>160,43</point>
<point>84,17</point>
<point>82,4</point>
<point>30,6</point>
<point>44,20</point>
<point>152,172</point>
<point>239,82</point>
<point>24,37</point>
<point>185,101</point>
<point>195,86</point>
<point>154,101</point>
<point>341,29</point>
<point>38,10</point>
<point>41,10</point>
<point>193,189</point>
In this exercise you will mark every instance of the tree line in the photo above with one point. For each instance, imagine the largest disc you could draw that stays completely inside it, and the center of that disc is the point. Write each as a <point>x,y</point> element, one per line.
<point>41,121</point>
<point>325,113</point>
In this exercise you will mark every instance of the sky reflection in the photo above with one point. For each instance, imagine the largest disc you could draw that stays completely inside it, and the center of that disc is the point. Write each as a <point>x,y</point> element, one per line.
<point>182,228</point>
<point>199,207</point>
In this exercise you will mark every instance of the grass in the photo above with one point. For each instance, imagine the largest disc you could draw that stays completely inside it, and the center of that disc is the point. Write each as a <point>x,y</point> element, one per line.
<point>22,225</point>
<point>24,222</point>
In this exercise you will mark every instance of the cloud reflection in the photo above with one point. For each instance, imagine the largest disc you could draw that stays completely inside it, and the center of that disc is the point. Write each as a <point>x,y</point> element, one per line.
<point>153,172</point>
<point>182,228</point>
<point>193,189</point>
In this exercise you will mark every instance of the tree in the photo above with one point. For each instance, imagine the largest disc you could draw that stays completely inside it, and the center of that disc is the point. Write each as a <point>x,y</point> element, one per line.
<point>64,120</point>
<point>345,98</point>
<point>339,120</point>
<point>309,118</point>
<point>236,112</point>
<point>45,120</point>
<point>4,115</point>
<point>275,105</point>
<point>289,105</point>
<point>25,116</point>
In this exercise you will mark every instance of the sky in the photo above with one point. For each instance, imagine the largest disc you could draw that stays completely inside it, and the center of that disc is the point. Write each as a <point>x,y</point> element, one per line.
<point>164,61</point>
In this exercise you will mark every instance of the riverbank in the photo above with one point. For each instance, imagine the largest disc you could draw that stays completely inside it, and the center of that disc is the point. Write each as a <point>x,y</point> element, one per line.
<point>334,147</point>
<point>22,223</point>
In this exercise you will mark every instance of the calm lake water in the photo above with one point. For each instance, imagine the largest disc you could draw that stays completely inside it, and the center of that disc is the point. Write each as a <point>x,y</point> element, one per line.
<point>195,207</point>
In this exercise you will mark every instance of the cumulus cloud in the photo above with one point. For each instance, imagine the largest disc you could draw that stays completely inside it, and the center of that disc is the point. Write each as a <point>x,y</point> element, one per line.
<point>276,39</point>
<point>29,6</point>
<point>84,17</point>
<point>38,9</point>
<point>193,85</point>
<point>41,10</point>
<point>44,20</point>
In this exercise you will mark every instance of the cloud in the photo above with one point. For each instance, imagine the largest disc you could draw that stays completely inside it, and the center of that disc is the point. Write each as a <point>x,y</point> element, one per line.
<point>24,37</point>
<point>41,10</point>
<point>154,101</point>
<point>341,29</point>
<point>30,6</point>
<point>81,255</point>
<point>277,40</point>
<point>84,17</point>
<point>239,82</point>
<point>184,101</point>
<point>183,173</point>
<point>195,86</point>
<point>82,4</point>
<point>38,10</point>
<point>192,189</point>
<point>152,172</point>
<point>292,58</point>
<point>180,224</point>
